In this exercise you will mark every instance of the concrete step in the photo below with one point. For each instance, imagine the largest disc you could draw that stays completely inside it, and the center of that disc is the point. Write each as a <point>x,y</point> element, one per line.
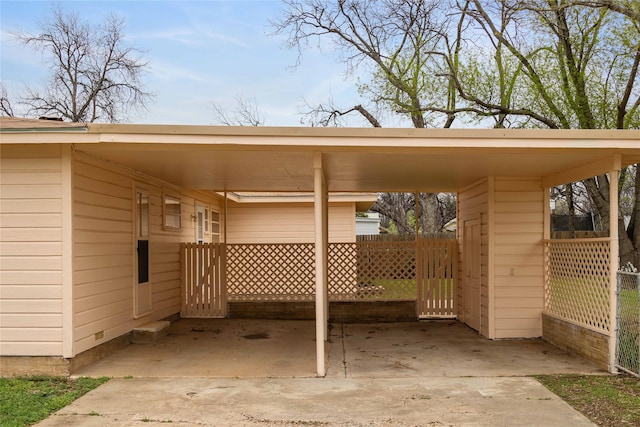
<point>151,332</point>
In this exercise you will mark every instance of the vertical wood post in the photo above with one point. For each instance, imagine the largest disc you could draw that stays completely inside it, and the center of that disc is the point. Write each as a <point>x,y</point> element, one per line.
<point>420,283</point>
<point>613,261</point>
<point>320,194</point>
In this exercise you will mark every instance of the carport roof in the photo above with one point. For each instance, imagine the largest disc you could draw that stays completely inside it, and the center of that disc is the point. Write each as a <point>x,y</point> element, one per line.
<point>281,159</point>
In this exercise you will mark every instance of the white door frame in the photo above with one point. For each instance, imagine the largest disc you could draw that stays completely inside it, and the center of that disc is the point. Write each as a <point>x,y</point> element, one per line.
<point>472,272</point>
<point>141,252</point>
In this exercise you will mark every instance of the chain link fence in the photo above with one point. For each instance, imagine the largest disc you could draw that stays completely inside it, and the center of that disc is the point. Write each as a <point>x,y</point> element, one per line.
<point>628,317</point>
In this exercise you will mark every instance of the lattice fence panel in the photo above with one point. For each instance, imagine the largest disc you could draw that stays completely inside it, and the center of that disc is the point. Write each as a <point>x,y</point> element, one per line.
<point>577,281</point>
<point>371,271</point>
<point>628,318</point>
<point>271,272</point>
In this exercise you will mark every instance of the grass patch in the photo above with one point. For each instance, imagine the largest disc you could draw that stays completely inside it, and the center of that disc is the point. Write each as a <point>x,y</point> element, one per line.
<point>25,401</point>
<point>608,400</point>
<point>396,289</point>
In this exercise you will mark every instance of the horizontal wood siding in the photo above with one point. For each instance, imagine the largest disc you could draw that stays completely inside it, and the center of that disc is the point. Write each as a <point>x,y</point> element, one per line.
<point>30,250</point>
<point>104,249</point>
<point>474,203</point>
<point>519,268</point>
<point>103,252</point>
<point>287,223</point>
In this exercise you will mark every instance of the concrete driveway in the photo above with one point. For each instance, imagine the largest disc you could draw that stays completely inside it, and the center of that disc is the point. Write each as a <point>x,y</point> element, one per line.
<point>261,373</point>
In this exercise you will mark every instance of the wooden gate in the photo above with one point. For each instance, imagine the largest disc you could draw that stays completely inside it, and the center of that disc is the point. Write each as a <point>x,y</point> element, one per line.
<point>203,280</point>
<point>436,277</point>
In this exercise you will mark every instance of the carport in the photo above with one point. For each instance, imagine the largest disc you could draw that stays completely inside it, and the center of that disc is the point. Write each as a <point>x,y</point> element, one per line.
<point>501,178</point>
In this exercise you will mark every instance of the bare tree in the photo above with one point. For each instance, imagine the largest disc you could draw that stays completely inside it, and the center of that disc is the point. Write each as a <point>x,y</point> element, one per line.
<point>329,114</point>
<point>5,104</point>
<point>389,36</point>
<point>95,75</point>
<point>398,210</point>
<point>630,8</point>
<point>505,63</point>
<point>245,113</point>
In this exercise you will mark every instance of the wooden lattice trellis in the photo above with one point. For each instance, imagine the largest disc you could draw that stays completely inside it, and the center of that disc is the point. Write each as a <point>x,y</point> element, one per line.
<point>577,281</point>
<point>271,272</point>
<point>372,271</point>
<point>422,271</point>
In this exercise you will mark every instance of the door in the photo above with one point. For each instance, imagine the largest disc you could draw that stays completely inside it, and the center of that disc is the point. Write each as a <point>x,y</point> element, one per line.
<point>141,283</point>
<point>472,272</point>
<point>202,223</point>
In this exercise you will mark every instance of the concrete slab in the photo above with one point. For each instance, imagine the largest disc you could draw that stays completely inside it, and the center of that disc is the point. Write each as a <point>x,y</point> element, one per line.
<point>218,348</point>
<point>444,348</point>
<point>260,373</point>
<point>230,348</point>
<point>426,401</point>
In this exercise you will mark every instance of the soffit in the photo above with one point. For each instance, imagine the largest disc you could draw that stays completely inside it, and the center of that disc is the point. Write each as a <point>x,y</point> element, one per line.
<point>266,159</point>
<point>347,169</point>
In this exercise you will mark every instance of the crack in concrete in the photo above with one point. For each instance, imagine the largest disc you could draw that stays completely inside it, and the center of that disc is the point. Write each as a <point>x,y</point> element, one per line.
<point>344,351</point>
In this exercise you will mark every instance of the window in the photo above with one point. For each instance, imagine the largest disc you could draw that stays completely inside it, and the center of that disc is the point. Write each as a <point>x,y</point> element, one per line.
<point>172,216</point>
<point>215,226</point>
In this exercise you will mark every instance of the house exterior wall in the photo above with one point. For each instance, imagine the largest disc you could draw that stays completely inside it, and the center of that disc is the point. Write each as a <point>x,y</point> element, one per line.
<point>518,257</point>
<point>103,261</point>
<point>369,225</point>
<point>31,250</point>
<point>473,203</point>
<point>286,223</point>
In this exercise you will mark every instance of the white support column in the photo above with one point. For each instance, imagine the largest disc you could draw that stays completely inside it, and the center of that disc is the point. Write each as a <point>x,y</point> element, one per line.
<point>546,200</point>
<point>224,226</point>
<point>325,249</point>
<point>416,197</point>
<point>320,202</point>
<point>546,235</point>
<point>419,284</point>
<point>614,265</point>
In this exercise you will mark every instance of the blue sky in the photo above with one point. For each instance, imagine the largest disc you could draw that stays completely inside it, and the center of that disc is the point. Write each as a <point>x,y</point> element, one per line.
<point>200,52</point>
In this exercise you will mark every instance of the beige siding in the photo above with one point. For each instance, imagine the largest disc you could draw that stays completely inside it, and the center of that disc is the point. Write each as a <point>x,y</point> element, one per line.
<point>287,223</point>
<point>103,250</point>
<point>31,250</point>
<point>519,291</point>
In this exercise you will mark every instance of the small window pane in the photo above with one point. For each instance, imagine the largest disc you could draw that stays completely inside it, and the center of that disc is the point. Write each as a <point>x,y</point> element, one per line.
<point>172,217</point>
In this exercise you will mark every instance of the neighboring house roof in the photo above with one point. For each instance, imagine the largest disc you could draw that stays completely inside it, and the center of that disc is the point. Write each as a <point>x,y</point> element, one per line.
<point>451,226</point>
<point>282,159</point>
<point>363,201</point>
<point>21,124</point>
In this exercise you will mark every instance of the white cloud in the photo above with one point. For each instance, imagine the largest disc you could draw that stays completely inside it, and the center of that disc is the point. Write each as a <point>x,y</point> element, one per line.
<point>168,71</point>
<point>187,36</point>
